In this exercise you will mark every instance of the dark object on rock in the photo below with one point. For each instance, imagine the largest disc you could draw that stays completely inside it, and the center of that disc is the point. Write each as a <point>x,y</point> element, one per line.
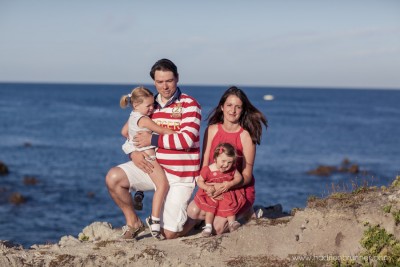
<point>10,244</point>
<point>17,198</point>
<point>270,212</point>
<point>30,180</point>
<point>3,169</point>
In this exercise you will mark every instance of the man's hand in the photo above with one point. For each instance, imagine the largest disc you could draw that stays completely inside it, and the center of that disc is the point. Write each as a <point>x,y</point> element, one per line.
<point>142,139</point>
<point>141,160</point>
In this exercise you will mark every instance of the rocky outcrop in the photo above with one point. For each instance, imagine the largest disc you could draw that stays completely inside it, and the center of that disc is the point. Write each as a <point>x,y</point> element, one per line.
<point>327,170</point>
<point>337,230</point>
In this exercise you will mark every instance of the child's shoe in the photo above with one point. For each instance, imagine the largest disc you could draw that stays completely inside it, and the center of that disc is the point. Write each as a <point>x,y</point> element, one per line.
<point>207,230</point>
<point>154,226</point>
<point>138,200</point>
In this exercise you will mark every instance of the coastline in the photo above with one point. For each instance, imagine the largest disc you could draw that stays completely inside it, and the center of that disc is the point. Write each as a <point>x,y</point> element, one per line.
<point>328,230</point>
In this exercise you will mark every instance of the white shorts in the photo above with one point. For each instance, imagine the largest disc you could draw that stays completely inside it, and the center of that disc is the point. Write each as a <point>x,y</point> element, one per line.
<point>173,215</point>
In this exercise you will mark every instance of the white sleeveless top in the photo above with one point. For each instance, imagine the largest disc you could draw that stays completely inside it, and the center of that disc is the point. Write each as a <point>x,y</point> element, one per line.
<point>133,127</point>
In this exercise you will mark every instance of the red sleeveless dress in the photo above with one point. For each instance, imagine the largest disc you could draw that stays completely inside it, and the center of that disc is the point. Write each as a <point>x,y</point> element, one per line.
<point>234,139</point>
<point>233,200</point>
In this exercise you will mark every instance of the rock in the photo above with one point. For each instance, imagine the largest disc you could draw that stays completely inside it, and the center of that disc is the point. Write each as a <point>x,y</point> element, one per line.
<point>3,169</point>
<point>345,167</point>
<point>17,198</point>
<point>97,231</point>
<point>354,169</point>
<point>323,170</point>
<point>30,180</point>
<point>69,240</point>
<point>27,144</point>
<point>7,244</point>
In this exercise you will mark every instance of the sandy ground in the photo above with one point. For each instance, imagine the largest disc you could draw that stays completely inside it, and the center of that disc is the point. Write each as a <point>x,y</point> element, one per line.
<point>315,236</point>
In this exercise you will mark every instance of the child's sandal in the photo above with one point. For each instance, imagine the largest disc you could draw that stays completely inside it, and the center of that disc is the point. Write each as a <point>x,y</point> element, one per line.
<point>155,233</point>
<point>233,226</point>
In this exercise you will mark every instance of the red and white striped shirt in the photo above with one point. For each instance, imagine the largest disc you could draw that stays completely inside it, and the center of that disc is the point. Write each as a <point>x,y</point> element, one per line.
<point>179,153</point>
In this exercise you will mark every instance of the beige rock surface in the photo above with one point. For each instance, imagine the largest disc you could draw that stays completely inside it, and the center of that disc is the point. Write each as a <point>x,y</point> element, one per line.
<point>327,227</point>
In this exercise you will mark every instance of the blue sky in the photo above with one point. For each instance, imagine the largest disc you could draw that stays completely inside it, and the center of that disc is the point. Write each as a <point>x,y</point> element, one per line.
<point>226,42</point>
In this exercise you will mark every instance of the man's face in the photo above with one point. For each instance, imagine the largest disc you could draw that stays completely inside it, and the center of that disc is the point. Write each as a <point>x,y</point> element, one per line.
<point>166,84</point>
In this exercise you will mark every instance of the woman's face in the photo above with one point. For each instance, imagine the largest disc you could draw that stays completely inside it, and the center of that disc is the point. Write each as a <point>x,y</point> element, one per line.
<point>232,109</point>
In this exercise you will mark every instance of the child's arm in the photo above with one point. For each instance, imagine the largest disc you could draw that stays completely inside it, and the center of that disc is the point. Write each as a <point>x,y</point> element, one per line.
<point>146,122</point>
<point>124,130</point>
<point>210,189</point>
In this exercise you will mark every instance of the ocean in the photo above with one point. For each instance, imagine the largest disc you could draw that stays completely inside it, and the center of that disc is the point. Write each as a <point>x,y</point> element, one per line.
<point>59,140</point>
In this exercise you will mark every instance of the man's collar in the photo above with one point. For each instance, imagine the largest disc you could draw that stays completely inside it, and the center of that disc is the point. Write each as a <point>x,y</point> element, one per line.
<point>176,96</point>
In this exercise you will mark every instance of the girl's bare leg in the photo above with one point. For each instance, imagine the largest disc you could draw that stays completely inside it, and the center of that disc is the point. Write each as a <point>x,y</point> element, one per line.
<point>160,180</point>
<point>207,230</point>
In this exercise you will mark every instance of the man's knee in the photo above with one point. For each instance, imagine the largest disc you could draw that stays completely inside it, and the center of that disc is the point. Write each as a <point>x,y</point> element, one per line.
<point>170,235</point>
<point>113,178</point>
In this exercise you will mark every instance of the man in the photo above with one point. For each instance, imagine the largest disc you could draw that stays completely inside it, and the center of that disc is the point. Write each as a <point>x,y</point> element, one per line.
<point>178,154</point>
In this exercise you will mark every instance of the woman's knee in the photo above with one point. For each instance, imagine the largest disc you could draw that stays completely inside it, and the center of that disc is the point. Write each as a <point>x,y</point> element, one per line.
<point>220,225</point>
<point>194,212</point>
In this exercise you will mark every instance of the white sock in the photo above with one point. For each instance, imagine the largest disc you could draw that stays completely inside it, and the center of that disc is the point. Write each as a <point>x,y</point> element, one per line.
<point>208,227</point>
<point>155,226</point>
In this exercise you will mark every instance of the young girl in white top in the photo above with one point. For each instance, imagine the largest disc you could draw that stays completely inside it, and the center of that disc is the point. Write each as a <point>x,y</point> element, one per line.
<point>142,101</point>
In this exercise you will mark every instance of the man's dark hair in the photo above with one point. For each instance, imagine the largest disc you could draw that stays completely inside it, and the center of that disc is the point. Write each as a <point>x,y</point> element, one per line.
<point>164,65</point>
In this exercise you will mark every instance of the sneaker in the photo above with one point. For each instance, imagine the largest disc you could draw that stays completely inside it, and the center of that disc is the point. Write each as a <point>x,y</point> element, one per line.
<point>207,230</point>
<point>130,232</point>
<point>138,200</point>
<point>155,233</point>
<point>233,226</point>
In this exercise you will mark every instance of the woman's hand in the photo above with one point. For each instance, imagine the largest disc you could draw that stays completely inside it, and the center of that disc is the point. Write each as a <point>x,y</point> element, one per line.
<point>142,161</point>
<point>220,188</point>
<point>142,139</point>
<point>210,190</point>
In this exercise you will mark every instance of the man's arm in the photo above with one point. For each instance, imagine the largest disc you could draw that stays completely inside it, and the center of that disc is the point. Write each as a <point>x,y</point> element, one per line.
<point>188,135</point>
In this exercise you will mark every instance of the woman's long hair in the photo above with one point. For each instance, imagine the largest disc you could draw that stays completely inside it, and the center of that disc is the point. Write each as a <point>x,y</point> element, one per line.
<point>251,119</point>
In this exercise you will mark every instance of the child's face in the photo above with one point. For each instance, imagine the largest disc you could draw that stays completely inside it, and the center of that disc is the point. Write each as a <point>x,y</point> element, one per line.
<point>146,107</point>
<point>224,163</point>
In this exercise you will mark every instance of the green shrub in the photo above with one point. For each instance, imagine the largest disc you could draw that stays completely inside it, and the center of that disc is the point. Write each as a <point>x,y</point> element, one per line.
<point>380,246</point>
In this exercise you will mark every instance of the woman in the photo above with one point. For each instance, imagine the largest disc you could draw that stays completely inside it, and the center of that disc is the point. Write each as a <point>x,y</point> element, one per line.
<point>235,120</point>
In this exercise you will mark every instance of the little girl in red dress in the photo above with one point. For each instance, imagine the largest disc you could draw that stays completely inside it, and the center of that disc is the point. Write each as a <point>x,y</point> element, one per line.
<point>221,171</point>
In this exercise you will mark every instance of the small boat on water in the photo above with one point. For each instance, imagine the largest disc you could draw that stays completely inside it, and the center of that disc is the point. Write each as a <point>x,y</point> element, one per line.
<point>268,97</point>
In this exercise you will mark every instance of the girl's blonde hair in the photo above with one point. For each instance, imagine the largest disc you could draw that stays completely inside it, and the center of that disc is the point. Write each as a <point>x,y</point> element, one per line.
<point>227,149</point>
<point>135,97</point>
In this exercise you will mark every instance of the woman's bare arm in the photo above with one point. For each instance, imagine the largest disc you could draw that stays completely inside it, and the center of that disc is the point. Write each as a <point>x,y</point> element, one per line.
<point>249,154</point>
<point>209,135</point>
